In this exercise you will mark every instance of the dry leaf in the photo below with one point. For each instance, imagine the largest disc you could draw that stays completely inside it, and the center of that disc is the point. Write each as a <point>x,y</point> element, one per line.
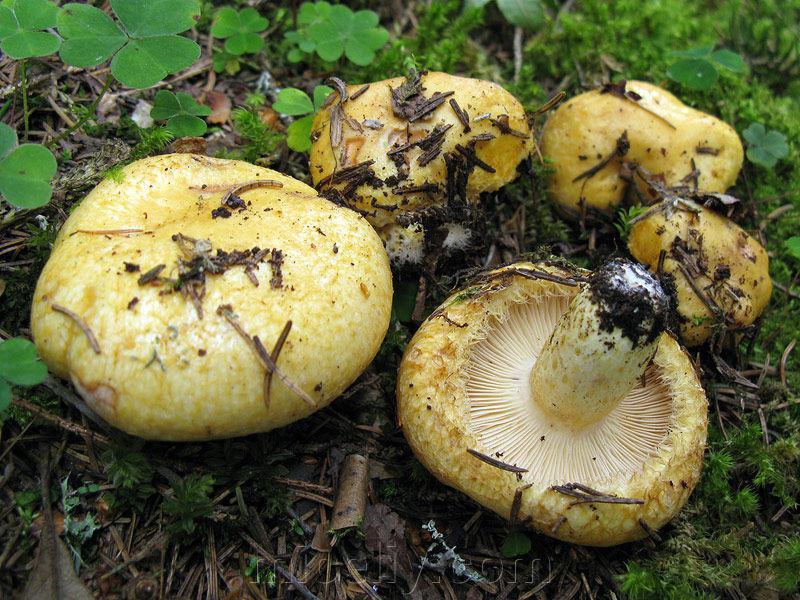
<point>384,537</point>
<point>189,145</point>
<point>53,577</point>
<point>220,107</point>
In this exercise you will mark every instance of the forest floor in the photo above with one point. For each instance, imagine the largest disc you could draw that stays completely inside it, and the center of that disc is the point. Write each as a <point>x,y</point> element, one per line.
<point>245,518</point>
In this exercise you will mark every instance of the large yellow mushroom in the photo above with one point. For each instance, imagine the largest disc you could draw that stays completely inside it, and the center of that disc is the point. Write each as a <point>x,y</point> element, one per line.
<point>399,150</point>
<point>591,136</point>
<point>199,298</point>
<point>555,400</point>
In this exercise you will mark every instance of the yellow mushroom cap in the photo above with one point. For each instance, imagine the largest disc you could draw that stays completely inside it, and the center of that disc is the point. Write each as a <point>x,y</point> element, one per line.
<point>159,370</point>
<point>464,401</point>
<point>714,262</point>
<point>368,129</point>
<point>666,137</point>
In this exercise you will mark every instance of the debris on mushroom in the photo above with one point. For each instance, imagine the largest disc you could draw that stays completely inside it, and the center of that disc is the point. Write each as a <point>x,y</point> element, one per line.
<point>590,136</point>
<point>720,272</point>
<point>555,398</point>
<point>417,150</point>
<point>187,300</point>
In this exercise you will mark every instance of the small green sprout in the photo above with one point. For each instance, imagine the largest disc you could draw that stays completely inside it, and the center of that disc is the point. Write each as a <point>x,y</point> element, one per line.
<point>189,501</point>
<point>698,68</point>
<point>19,365</point>
<point>294,102</point>
<point>239,30</point>
<point>516,544</point>
<point>21,26</point>
<point>528,14</point>
<point>334,30</point>
<point>144,47</point>
<point>765,147</point>
<point>181,112</point>
<point>624,218</point>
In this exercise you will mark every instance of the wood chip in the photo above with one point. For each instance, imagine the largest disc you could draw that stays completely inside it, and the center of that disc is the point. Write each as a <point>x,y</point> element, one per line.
<point>351,499</point>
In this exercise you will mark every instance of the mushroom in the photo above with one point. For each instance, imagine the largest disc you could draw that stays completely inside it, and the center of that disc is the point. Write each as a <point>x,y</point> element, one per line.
<point>590,137</point>
<point>197,298</point>
<point>555,400</point>
<point>720,272</point>
<point>415,150</point>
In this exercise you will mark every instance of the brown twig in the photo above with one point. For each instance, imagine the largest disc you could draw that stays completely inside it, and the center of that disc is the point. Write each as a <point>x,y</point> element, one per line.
<point>496,463</point>
<point>276,351</point>
<point>226,311</point>
<point>80,323</point>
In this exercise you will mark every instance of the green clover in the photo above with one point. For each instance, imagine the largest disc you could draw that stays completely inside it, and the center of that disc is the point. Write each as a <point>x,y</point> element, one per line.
<point>25,171</point>
<point>19,365</point>
<point>792,245</point>
<point>181,112</point>
<point>528,14</point>
<point>239,30</point>
<point>145,44</point>
<point>516,544</point>
<point>294,102</point>
<point>21,26</point>
<point>698,68</point>
<point>764,147</point>
<point>334,30</point>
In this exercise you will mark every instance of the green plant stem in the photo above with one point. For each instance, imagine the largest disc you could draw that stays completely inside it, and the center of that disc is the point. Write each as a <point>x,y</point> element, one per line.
<point>85,117</point>
<point>23,80</point>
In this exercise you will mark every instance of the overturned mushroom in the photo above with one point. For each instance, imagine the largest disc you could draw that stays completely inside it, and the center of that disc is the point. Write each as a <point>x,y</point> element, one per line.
<point>188,300</point>
<point>720,272</point>
<point>410,151</point>
<point>555,400</point>
<point>589,138</point>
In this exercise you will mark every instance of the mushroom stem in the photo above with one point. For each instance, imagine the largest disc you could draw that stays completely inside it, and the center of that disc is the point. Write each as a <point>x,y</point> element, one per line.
<point>600,346</point>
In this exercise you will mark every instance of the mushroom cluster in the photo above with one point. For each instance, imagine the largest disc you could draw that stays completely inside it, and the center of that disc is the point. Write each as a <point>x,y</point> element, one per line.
<point>554,398</point>
<point>592,136</point>
<point>188,300</point>
<point>406,152</point>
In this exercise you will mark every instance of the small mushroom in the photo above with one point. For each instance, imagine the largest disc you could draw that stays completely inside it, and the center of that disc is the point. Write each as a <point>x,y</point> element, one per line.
<point>590,137</point>
<point>408,151</point>
<point>197,298</point>
<point>720,272</point>
<point>556,400</point>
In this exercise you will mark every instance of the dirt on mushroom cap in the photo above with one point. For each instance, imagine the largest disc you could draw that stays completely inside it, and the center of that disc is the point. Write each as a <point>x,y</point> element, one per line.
<point>434,411</point>
<point>402,161</point>
<point>721,273</point>
<point>166,373</point>
<point>671,140</point>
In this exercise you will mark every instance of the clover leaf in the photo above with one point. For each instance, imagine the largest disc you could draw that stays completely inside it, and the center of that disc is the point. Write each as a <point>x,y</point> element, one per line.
<point>516,544</point>
<point>19,365</point>
<point>181,112</point>
<point>334,30</point>
<point>21,26</point>
<point>698,68</point>
<point>239,30</point>
<point>25,171</point>
<point>528,14</point>
<point>765,147</point>
<point>144,47</point>
<point>792,245</point>
<point>294,102</point>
